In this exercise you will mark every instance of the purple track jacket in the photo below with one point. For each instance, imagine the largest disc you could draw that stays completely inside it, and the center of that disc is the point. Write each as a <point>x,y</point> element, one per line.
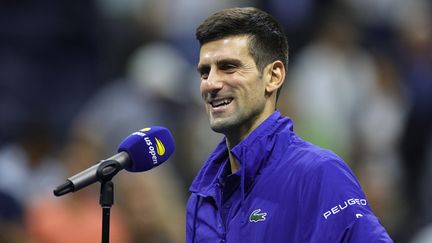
<point>286,190</point>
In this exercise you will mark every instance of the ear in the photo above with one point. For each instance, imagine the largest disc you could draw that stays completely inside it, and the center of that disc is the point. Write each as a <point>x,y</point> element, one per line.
<point>276,74</point>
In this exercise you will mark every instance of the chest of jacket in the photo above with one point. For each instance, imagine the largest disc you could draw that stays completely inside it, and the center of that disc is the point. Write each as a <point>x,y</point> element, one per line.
<point>268,213</point>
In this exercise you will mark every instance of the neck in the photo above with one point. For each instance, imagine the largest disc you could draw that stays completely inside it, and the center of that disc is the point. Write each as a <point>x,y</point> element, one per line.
<point>235,136</point>
<point>233,163</point>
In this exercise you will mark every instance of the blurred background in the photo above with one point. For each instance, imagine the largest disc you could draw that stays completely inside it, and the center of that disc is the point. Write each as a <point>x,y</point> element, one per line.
<point>76,77</point>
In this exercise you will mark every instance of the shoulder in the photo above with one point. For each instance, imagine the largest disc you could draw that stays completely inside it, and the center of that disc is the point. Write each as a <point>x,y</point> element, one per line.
<point>320,178</point>
<point>312,173</point>
<point>307,160</point>
<point>321,172</point>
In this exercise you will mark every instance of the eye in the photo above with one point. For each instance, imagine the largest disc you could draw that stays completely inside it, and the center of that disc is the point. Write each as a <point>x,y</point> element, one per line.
<point>227,66</point>
<point>204,72</point>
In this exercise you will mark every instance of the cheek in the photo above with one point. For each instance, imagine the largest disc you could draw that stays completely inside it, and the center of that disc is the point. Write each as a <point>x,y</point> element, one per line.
<point>256,90</point>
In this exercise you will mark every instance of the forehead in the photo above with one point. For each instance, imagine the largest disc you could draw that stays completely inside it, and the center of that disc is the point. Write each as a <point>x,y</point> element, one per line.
<point>233,47</point>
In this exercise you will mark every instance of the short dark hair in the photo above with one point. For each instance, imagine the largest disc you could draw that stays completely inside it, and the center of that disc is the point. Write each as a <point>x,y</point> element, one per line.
<point>267,42</point>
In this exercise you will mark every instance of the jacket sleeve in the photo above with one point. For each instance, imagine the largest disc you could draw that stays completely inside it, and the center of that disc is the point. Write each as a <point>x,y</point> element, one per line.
<point>336,209</point>
<point>365,229</point>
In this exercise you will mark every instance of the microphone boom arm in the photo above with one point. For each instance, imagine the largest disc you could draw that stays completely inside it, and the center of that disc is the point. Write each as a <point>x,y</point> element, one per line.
<point>103,170</point>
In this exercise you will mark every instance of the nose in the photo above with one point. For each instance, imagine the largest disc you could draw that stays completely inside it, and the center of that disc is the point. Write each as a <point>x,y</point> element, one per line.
<point>212,84</point>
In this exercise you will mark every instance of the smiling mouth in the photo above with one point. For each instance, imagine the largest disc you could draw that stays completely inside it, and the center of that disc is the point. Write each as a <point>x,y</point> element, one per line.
<point>220,102</point>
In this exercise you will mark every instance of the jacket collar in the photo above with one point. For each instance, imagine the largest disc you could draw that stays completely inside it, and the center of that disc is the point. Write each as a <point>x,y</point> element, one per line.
<point>252,154</point>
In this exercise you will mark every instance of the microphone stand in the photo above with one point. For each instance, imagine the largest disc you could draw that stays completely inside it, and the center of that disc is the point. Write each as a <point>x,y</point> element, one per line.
<point>105,172</point>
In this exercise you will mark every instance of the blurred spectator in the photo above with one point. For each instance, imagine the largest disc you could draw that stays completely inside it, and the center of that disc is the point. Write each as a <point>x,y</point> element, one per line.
<point>328,83</point>
<point>377,132</point>
<point>27,167</point>
<point>415,64</point>
<point>27,172</point>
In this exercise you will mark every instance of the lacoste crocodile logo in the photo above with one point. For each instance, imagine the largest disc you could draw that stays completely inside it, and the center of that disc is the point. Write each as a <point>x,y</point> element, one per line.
<point>256,216</point>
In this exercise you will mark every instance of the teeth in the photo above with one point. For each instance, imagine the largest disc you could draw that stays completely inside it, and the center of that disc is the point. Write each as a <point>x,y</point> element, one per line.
<point>222,102</point>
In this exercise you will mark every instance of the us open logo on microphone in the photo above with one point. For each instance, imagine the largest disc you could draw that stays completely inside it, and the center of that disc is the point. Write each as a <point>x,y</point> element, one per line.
<point>160,148</point>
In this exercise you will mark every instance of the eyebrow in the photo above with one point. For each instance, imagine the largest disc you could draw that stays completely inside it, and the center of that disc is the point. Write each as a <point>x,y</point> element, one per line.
<point>201,67</point>
<point>235,61</point>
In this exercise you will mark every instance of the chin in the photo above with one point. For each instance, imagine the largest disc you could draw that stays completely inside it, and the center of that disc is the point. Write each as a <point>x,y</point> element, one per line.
<point>218,128</point>
<point>222,125</point>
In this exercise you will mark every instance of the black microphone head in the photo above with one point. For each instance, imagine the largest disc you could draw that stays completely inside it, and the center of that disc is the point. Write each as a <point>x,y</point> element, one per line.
<point>148,148</point>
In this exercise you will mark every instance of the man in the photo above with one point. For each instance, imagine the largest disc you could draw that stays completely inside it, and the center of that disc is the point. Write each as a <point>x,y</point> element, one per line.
<point>263,183</point>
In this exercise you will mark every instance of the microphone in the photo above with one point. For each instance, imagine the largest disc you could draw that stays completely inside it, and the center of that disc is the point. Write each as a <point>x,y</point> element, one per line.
<point>140,151</point>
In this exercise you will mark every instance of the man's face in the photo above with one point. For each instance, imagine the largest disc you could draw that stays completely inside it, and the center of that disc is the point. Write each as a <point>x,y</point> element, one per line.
<point>232,87</point>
